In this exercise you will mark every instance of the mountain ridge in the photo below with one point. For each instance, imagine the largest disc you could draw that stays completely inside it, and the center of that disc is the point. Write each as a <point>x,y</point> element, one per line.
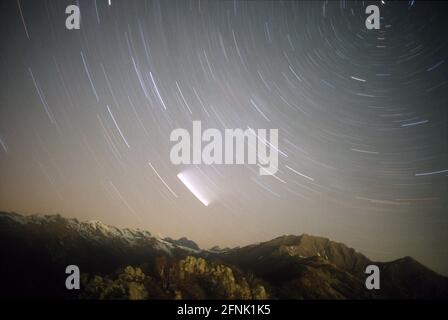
<point>145,266</point>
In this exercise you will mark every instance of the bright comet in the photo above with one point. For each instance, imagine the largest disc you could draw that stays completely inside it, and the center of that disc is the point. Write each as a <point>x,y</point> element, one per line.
<point>186,181</point>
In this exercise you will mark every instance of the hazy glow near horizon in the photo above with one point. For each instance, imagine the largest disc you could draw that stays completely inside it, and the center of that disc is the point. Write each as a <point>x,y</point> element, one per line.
<point>193,189</point>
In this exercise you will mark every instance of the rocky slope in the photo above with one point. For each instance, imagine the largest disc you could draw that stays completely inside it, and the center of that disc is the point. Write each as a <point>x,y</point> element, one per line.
<point>134,264</point>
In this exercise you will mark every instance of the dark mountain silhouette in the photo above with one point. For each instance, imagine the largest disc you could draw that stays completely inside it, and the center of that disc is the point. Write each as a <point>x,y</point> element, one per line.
<point>184,242</point>
<point>134,264</point>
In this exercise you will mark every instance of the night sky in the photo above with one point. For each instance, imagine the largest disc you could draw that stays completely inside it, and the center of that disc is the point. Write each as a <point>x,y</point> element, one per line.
<point>86,116</point>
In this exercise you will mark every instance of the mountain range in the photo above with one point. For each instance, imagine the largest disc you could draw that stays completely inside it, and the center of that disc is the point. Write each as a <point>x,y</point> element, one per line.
<point>135,264</point>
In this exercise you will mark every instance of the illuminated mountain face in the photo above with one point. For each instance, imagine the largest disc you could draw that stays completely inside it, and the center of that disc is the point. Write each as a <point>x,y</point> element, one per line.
<point>86,116</point>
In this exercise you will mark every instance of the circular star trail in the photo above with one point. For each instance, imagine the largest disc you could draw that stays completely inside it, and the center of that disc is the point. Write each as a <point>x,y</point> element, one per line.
<point>86,115</point>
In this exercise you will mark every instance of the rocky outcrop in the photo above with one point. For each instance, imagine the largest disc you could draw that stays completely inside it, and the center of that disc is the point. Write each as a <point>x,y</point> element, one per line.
<point>130,284</point>
<point>190,278</point>
<point>220,280</point>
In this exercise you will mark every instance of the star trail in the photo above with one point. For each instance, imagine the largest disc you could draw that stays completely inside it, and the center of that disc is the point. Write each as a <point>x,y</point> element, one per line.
<point>362,119</point>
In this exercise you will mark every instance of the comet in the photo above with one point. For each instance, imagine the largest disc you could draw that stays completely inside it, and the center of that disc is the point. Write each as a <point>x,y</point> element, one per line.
<point>193,189</point>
